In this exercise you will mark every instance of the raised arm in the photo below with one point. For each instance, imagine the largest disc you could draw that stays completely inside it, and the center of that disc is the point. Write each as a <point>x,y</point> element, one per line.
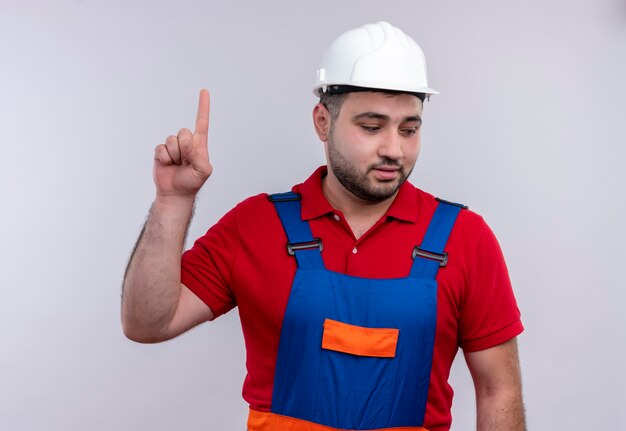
<point>497,381</point>
<point>155,305</point>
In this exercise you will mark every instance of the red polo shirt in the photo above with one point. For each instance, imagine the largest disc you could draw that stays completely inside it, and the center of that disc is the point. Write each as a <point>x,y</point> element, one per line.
<point>242,261</point>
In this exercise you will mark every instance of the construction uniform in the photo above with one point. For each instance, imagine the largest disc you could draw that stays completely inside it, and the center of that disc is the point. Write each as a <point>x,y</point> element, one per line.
<point>343,333</point>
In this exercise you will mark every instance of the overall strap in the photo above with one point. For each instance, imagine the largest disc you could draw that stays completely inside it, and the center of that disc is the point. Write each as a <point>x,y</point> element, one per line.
<point>429,256</point>
<point>301,243</point>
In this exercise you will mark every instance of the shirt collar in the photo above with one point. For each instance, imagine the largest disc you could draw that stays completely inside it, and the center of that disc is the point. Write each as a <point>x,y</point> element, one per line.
<point>315,204</point>
<point>404,206</point>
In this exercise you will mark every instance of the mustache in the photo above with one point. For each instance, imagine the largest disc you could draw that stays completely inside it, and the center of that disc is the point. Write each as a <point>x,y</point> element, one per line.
<point>386,162</point>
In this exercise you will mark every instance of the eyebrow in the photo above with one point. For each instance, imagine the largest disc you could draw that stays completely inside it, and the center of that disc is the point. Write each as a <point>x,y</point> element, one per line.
<point>376,116</point>
<point>370,115</point>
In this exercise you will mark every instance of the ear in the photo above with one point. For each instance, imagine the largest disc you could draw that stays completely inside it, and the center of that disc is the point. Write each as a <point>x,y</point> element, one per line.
<point>321,121</point>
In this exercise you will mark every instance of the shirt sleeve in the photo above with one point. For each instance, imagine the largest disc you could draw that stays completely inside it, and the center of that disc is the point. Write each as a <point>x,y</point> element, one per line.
<point>489,315</point>
<point>206,268</point>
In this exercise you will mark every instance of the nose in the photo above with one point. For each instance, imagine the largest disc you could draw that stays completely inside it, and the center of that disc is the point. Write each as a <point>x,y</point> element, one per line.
<point>391,146</point>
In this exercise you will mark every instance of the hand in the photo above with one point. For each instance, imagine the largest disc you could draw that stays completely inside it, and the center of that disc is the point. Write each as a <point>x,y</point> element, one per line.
<point>181,165</point>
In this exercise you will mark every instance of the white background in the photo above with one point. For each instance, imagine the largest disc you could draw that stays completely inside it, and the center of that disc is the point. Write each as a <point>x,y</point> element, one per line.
<point>528,130</point>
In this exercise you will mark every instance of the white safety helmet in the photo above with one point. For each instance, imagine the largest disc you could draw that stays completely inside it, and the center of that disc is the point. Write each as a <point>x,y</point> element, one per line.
<point>378,56</point>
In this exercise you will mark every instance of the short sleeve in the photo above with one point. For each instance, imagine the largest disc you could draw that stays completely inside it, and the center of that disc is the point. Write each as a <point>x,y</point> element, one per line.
<point>206,268</point>
<point>489,313</point>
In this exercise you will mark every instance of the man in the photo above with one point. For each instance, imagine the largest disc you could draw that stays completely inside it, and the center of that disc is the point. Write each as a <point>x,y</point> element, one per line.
<point>356,289</point>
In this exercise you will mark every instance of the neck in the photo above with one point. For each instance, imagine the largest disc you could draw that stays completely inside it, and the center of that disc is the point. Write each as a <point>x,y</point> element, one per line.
<point>360,214</point>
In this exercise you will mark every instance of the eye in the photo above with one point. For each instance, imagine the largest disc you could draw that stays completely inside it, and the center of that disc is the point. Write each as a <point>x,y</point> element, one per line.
<point>370,128</point>
<point>409,131</point>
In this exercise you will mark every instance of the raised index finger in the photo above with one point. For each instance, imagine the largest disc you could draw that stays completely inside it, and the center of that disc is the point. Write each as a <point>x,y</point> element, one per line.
<point>202,118</point>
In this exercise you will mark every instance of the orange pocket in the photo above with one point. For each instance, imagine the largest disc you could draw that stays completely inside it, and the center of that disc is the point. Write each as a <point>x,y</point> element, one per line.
<point>357,340</point>
<point>266,421</point>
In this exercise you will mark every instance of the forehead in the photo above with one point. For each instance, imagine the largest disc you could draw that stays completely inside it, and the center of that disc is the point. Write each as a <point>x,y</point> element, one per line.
<point>392,105</point>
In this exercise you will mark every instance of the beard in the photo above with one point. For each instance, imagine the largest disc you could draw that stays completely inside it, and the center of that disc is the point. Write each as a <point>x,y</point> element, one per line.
<point>358,183</point>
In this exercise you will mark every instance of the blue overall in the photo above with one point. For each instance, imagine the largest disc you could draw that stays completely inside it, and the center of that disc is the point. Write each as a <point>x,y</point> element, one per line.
<point>330,387</point>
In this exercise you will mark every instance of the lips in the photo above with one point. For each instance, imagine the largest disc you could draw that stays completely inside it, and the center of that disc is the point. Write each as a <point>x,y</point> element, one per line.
<point>386,173</point>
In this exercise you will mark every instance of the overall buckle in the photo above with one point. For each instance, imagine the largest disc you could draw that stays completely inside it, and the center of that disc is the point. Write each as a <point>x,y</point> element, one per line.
<point>293,247</point>
<point>442,258</point>
<point>456,204</point>
<point>284,197</point>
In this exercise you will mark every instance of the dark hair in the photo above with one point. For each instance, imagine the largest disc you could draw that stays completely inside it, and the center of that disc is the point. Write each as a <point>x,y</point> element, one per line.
<point>333,102</point>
